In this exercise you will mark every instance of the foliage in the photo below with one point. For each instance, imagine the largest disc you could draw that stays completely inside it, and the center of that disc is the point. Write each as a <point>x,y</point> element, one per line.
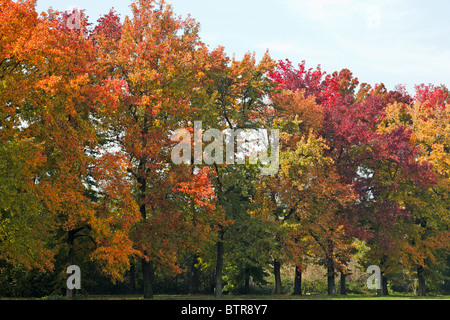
<point>86,177</point>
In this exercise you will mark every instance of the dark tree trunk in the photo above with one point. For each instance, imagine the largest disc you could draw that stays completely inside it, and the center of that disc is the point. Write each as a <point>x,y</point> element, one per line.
<point>380,291</point>
<point>298,282</point>
<point>277,273</point>
<point>219,267</point>
<point>147,274</point>
<point>384,286</point>
<point>70,242</point>
<point>193,276</point>
<point>343,285</point>
<point>331,280</point>
<point>383,291</point>
<point>422,288</point>
<point>132,279</point>
<point>331,275</point>
<point>147,266</point>
<point>247,281</point>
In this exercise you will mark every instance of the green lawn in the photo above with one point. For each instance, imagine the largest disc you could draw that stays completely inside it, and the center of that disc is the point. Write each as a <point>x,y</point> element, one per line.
<point>242,297</point>
<point>272,297</point>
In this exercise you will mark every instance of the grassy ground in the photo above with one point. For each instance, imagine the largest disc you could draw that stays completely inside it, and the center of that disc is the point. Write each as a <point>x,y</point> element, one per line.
<point>283,297</point>
<point>243,298</point>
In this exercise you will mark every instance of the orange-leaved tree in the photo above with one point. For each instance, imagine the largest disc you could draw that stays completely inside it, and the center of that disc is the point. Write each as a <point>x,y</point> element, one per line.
<point>149,69</point>
<point>427,198</point>
<point>49,141</point>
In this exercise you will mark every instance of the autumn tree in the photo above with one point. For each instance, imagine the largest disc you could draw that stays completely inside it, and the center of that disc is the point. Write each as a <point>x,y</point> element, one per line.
<point>24,236</point>
<point>47,106</point>
<point>363,158</point>
<point>281,196</point>
<point>322,192</point>
<point>233,94</point>
<point>151,65</point>
<point>87,116</point>
<point>427,119</point>
<point>46,103</point>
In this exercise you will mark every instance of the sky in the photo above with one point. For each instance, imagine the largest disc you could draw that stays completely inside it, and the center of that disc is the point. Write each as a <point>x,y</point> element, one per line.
<point>390,41</point>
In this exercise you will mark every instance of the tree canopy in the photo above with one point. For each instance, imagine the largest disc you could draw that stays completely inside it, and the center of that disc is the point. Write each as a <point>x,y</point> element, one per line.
<point>87,115</point>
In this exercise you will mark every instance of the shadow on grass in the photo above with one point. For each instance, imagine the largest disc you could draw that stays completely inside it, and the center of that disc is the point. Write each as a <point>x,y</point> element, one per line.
<point>270,297</point>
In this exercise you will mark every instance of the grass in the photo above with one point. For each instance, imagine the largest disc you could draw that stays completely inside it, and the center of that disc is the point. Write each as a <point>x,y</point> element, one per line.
<point>273,297</point>
<point>255,297</point>
<point>249,298</point>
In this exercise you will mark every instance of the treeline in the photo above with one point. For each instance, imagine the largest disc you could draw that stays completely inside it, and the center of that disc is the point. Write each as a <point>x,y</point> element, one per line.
<point>86,177</point>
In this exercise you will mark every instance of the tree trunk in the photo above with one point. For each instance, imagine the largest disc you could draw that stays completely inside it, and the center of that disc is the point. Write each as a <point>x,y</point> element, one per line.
<point>194,272</point>
<point>147,267</point>
<point>383,291</point>
<point>422,288</point>
<point>219,267</point>
<point>380,291</point>
<point>147,274</point>
<point>298,282</point>
<point>384,286</point>
<point>247,281</point>
<point>331,280</point>
<point>193,277</point>
<point>70,242</point>
<point>343,290</point>
<point>277,273</point>
<point>132,279</point>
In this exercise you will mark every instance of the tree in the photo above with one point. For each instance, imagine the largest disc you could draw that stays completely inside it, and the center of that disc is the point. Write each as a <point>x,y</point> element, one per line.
<point>232,98</point>
<point>47,104</point>
<point>45,101</point>
<point>149,76</point>
<point>24,237</point>
<point>25,229</point>
<point>368,162</point>
<point>427,118</point>
<point>314,187</point>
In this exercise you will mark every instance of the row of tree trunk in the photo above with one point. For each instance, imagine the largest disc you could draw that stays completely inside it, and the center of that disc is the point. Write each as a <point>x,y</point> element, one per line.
<point>148,271</point>
<point>331,284</point>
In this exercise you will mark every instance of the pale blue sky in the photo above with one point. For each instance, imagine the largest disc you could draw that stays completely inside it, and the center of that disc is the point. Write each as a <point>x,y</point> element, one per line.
<point>390,41</point>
